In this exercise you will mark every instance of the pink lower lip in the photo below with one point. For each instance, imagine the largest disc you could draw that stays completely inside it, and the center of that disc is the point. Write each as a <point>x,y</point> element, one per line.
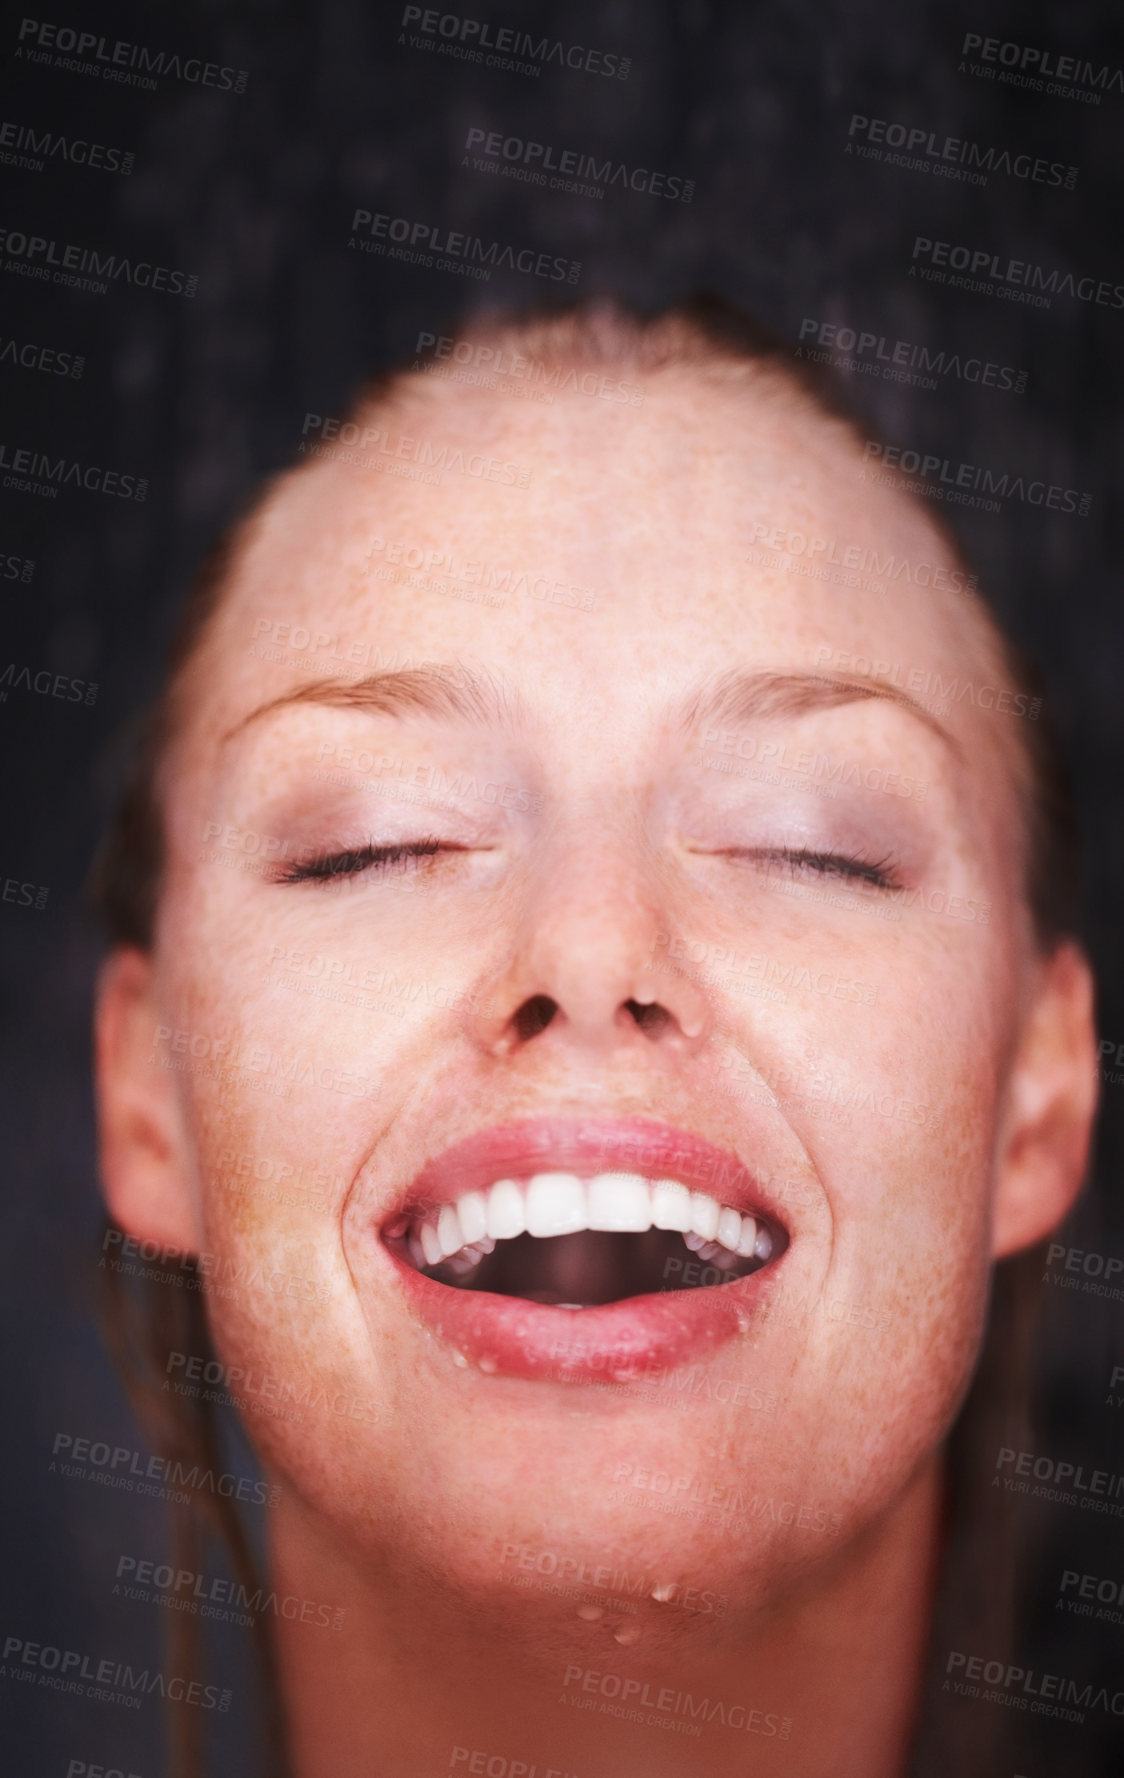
<point>620,1342</point>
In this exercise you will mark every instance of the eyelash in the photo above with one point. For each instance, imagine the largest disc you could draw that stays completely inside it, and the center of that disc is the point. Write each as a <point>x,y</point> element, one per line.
<point>880,873</point>
<point>356,860</point>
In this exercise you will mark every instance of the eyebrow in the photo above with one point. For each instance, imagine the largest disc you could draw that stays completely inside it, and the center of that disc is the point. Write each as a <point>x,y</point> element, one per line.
<point>431,690</point>
<point>461,693</point>
<point>740,697</point>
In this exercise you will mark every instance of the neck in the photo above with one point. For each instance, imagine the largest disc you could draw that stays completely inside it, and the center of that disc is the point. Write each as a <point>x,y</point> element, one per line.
<point>418,1682</point>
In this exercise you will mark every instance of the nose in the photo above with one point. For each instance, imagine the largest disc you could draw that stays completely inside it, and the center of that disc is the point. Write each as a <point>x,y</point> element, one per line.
<point>588,960</point>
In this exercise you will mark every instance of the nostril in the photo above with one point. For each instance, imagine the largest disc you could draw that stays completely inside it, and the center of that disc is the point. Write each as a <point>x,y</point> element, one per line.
<point>651,1019</point>
<point>534,1015</point>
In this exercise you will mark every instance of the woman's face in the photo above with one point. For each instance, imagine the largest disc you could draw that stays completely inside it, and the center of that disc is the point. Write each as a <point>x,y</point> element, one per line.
<point>702,897</point>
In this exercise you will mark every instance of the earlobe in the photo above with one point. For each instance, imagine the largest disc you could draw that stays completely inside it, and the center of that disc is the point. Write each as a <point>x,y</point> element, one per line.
<point>144,1155</point>
<point>1051,1100</point>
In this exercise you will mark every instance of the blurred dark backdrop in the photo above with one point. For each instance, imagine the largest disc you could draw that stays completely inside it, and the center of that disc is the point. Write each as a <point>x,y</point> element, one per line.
<point>252,193</point>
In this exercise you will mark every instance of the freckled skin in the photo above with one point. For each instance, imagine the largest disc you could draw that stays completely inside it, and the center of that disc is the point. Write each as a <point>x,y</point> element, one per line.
<point>415,1510</point>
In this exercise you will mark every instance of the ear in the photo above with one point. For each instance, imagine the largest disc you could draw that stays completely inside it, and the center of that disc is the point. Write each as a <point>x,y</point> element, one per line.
<point>146,1164</point>
<point>1051,1098</point>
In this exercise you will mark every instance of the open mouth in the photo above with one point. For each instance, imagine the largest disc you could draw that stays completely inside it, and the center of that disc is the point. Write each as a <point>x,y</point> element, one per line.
<point>586,1249</point>
<point>578,1248</point>
<point>570,1242</point>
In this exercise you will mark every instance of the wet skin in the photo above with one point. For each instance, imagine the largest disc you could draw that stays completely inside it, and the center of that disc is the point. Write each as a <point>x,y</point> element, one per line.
<point>603,841</point>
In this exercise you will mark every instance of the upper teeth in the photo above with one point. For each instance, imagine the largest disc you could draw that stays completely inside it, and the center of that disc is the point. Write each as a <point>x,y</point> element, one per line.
<point>563,1204</point>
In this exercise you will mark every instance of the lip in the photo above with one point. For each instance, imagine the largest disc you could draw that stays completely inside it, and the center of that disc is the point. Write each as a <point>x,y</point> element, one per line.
<point>617,1342</point>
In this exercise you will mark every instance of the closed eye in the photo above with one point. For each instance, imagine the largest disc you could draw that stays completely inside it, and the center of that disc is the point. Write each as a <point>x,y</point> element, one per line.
<point>878,873</point>
<point>354,861</point>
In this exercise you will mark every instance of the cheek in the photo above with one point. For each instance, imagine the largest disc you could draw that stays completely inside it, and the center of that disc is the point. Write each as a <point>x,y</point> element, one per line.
<point>893,1039</point>
<point>280,1124</point>
<point>896,1104</point>
<point>315,1396</point>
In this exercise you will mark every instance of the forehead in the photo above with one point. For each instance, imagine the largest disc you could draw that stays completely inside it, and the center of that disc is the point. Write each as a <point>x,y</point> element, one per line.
<point>713,522</point>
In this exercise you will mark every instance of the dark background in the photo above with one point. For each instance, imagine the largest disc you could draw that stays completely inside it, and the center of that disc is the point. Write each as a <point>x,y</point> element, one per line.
<point>253,192</point>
